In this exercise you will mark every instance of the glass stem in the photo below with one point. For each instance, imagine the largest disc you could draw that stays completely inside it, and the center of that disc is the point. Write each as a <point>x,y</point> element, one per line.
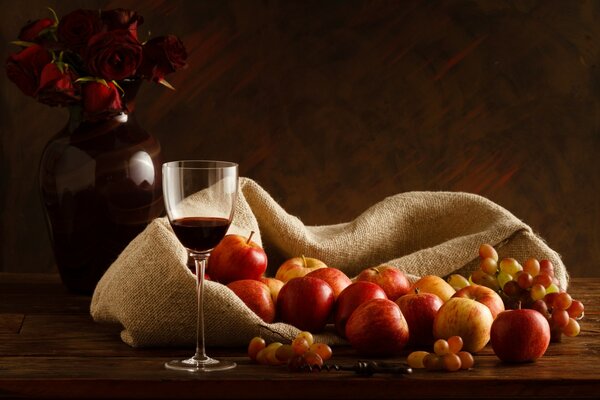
<point>200,261</point>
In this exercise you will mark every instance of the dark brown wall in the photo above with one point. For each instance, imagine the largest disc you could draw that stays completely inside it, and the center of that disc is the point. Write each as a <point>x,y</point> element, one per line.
<point>333,105</point>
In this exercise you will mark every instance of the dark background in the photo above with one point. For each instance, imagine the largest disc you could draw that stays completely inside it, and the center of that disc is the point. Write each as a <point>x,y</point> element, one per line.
<point>333,105</point>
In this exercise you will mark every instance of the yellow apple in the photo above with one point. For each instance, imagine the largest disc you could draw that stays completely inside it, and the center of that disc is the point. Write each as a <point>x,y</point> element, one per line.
<point>434,284</point>
<point>297,267</point>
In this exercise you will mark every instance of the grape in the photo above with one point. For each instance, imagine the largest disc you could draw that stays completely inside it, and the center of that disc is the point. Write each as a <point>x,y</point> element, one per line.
<point>455,344</point>
<point>547,268</point>
<point>306,335</point>
<point>563,301</point>
<point>576,309</point>
<point>300,345</point>
<point>261,357</point>
<point>549,299</point>
<point>541,307</point>
<point>452,362</point>
<point>477,276</point>
<point>531,266</point>
<point>560,318</point>
<point>488,251</point>
<point>322,349</point>
<point>542,279</point>
<point>441,347</point>
<point>510,266</point>
<point>415,359</point>
<point>433,362</point>
<point>489,266</point>
<point>503,278</point>
<point>552,288</point>
<point>512,289</point>
<point>489,281</point>
<point>524,279</point>
<point>572,328</point>
<point>256,344</point>
<point>537,291</point>
<point>270,353</point>
<point>466,359</point>
<point>458,281</point>
<point>285,353</point>
<point>296,363</point>
<point>313,359</point>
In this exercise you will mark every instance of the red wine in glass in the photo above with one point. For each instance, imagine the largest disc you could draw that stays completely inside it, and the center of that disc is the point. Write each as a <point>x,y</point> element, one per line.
<point>200,234</point>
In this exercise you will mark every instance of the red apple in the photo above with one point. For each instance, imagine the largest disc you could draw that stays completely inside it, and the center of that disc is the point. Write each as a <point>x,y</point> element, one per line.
<point>352,297</point>
<point>434,284</point>
<point>235,258</point>
<point>419,310</point>
<point>257,296</point>
<point>334,277</point>
<point>377,328</point>
<point>484,295</point>
<point>466,318</point>
<point>306,303</point>
<point>391,279</point>
<point>297,267</point>
<point>520,335</point>
<point>274,286</point>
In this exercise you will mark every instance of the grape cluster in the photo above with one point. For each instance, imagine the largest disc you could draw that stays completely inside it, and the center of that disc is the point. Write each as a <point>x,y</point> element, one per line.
<point>447,355</point>
<point>528,285</point>
<point>302,352</point>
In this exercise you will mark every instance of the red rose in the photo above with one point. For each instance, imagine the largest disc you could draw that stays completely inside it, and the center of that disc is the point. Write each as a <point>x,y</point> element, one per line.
<point>76,28</point>
<point>24,68</point>
<point>56,87</point>
<point>30,32</point>
<point>121,18</point>
<point>163,55</point>
<point>113,55</point>
<point>100,99</point>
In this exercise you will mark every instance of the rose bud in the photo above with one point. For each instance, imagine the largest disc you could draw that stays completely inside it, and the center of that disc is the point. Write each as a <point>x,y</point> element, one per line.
<point>31,31</point>
<point>162,55</point>
<point>24,68</point>
<point>100,99</point>
<point>56,86</point>
<point>121,18</point>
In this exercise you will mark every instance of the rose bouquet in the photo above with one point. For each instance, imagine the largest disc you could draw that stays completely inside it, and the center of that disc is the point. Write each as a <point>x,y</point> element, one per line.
<point>87,56</point>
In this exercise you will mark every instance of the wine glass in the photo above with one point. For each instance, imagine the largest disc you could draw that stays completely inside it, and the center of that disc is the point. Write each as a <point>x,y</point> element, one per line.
<point>199,198</point>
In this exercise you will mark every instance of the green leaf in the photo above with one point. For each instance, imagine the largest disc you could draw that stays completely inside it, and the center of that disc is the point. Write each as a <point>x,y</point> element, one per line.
<point>84,79</point>
<point>118,86</point>
<point>53,15</point>
<point>22,43</point>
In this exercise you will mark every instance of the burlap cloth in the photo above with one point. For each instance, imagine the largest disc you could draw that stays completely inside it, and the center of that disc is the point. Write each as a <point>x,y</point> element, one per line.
<point>150,292</point>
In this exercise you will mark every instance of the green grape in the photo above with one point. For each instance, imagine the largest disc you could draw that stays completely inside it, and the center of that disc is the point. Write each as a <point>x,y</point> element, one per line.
<point>300,345</point>
<point>552,289</point>
<point>441,347</point>
<point>502,278</point>
<point>510,266</point>
<point>572,328</point>
<point>477,276</point>
<point>415,359</point>
<point>458,281</point>
<point>466,359</point>
<point>537,292</point>
<point>489,281</point>
<point>285,353</point>
<point>433,362</point>
<point>271,353</point>
<point>306,335</point>
<point>256,344</point>
<point>322,349</point>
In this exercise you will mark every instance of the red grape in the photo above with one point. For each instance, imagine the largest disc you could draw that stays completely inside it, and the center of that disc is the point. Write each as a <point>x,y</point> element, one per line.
<point>489,266</point>
<point>547,268</point>
<point>560,318</point>
<point>466,360</point>
<point>486,250</point>
<point>531,266</point>
<point>542,279</point>
<point>576,309</point>
<point>452,362</point>
<point>562,301</point>
<point>541,307</point>
<point>572,328</point>
<point>441,347</point>
<point>455,344</point>
<point>525,280</point>
<point>256,344</point>
<point>512,289</point>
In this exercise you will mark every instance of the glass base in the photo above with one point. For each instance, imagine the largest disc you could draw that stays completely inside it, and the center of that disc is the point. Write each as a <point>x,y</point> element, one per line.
<point>196,365</point>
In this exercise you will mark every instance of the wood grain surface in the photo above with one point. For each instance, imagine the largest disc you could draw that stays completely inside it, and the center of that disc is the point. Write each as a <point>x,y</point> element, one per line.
<point>59,352</point>
<point>332,106</point>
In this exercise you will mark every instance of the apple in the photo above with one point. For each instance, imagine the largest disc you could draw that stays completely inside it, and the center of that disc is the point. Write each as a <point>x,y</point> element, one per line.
<point>350,298</point>
<point>484,295</point>
<point>391,279</point>
<point>334,277</point>
<point>274,286</point>
<point>419,310</point>
<point>257,296</point>
<point>466,318</point>
<point>520,335</point>
<point>297,267</point>
<point>434,284</point>
<point>235,258</point>
<point>377,328</point>
<point>305,302</point>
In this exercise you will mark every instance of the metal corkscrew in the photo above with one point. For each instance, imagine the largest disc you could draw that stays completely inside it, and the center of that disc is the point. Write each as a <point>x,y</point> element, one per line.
<point>366,368</point>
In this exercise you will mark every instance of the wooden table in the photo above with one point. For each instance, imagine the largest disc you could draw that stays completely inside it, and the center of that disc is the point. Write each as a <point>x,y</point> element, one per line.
<point>51,348</point>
